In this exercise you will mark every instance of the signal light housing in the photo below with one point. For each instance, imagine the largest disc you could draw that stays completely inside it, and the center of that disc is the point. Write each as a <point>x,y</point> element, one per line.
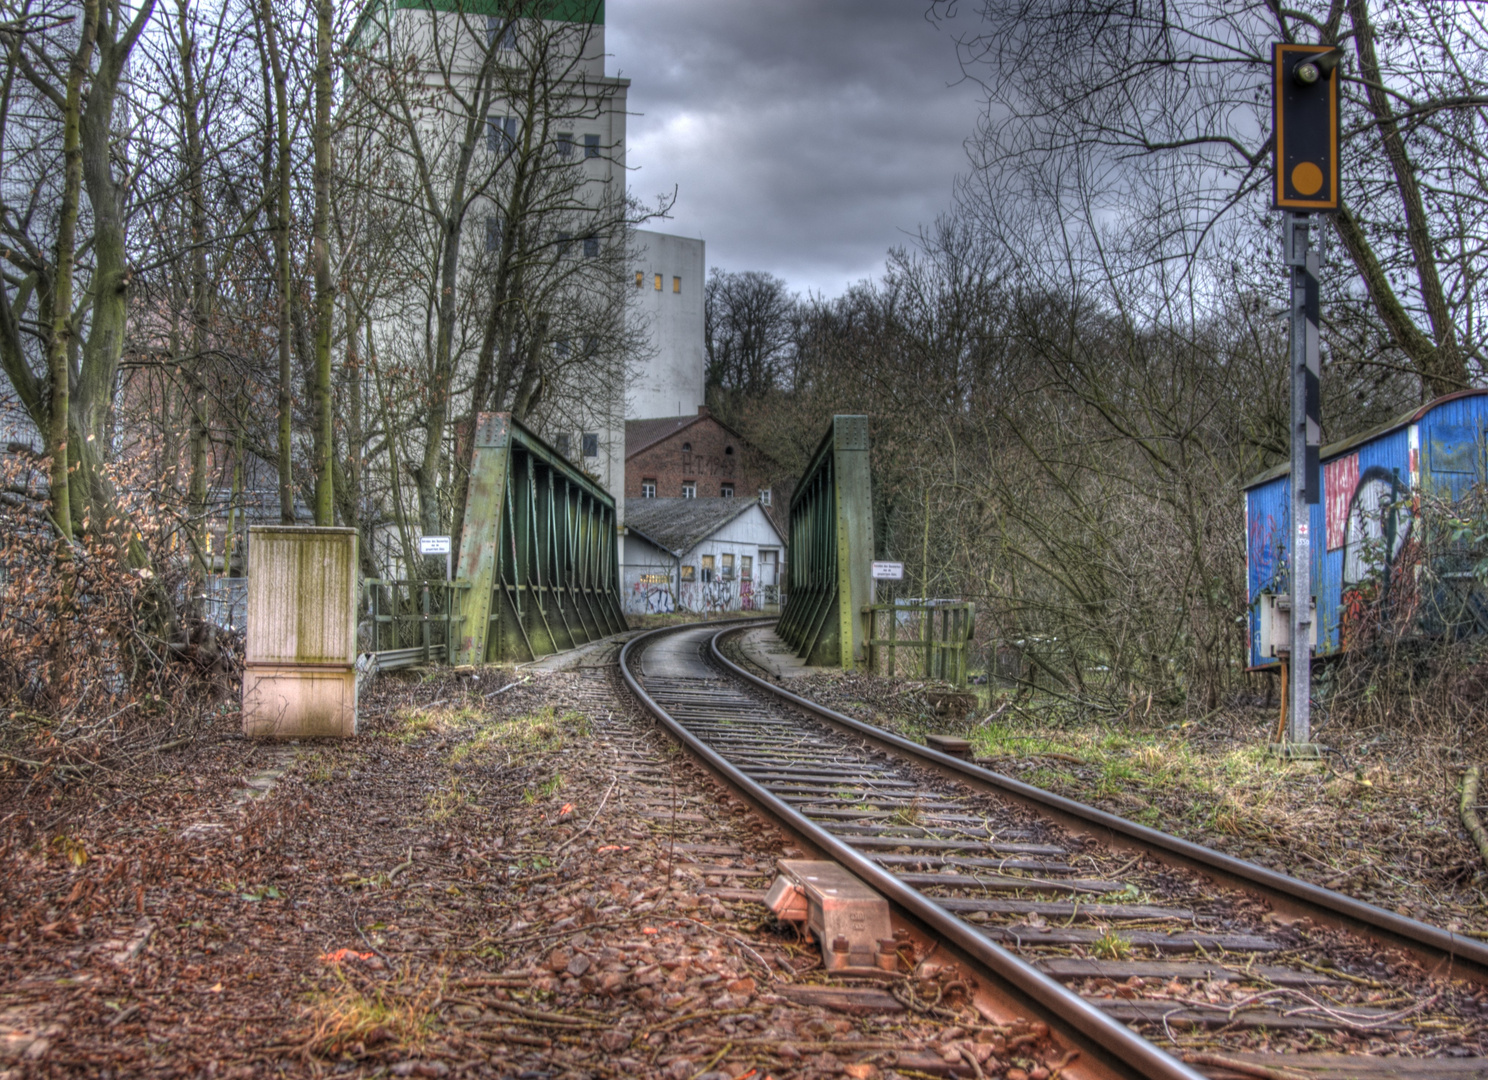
<point>1305,114</point>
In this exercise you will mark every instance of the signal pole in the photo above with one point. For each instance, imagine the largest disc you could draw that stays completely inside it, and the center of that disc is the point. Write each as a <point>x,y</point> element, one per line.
<point>1305,174</point>
<point>1302,263</point>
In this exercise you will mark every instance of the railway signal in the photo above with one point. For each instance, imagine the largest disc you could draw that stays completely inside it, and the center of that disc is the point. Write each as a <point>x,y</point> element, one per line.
<point>1305,180</point>
<point>1305,121</point>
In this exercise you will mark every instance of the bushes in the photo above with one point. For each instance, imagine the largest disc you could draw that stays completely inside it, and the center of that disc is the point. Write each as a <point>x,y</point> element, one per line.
<point>86,647</point>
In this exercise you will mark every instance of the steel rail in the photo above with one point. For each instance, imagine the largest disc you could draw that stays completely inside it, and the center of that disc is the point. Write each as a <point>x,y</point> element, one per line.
<point>1419,937</point>
<point>1082,1021</point>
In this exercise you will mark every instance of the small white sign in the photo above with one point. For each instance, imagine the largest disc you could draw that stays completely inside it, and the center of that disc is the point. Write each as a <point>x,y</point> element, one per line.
<point>434,545</point>
<point>888,571</point>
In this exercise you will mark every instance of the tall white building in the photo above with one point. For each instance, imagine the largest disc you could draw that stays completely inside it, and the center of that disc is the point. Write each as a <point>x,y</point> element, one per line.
<point>586,127</point>
<point>669,279</point>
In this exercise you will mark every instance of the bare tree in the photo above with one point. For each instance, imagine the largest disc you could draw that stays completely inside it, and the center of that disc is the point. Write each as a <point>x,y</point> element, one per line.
<point>1167,106</point>
<point>748,330</point>
<point>60,344</point>
<point>517,235</point>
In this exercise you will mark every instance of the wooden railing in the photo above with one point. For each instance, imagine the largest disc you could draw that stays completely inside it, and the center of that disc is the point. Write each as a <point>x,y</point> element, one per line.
<point>936,638</point>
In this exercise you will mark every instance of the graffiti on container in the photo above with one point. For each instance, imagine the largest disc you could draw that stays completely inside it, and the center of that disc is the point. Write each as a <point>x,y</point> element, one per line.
<point>1267,556</point>
<point>1377,525</point>
<point>1376,543</point>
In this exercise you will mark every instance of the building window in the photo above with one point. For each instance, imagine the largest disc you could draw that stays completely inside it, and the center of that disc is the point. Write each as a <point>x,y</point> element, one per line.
<point>565,144</point>
<point>689,573</point>
<point>658,283</point>
<point>676,284</point>
<point>728,566</point>
<point>725,491</point>
<point>565,242</point>
<point>728,451</point>
<point>591,146</point>
<point>591,444</point>
<point>504,29</point>
<point>746,567</point>
<point>648,489</point>
<point>561,444</point>
<point>689,489</point>
<point>764,496</point>
<point>560,347</point>
<point>707,569</point>
<point>640,279</point>
<point>493,232</point>
<point>687,448</point>
<point>591,247</point>
<point>501,133</point>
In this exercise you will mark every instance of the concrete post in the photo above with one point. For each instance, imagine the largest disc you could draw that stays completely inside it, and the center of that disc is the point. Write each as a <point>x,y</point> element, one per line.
<point>299,670</point>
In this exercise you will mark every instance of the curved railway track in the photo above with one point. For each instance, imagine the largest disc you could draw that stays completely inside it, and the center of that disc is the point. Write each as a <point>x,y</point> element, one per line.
<point>1139,949</point>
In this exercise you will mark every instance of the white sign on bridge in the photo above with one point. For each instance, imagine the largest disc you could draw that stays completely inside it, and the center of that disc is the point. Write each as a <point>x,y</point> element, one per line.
<point>434,545</point>
<point>888,571</point>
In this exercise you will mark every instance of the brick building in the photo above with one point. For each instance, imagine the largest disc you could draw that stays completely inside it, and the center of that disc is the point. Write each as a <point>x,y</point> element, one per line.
<point>700,457</point>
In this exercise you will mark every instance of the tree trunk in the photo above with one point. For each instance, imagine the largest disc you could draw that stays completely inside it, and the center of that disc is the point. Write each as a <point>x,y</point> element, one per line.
<point>59,346</point>
<point>200,298</point>
<point>1440,363</point>
<point>279,222</point>
<point>325,296</point>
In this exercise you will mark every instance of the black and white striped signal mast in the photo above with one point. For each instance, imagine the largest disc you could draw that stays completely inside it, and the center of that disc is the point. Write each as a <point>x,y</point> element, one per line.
<point>1305,159</point>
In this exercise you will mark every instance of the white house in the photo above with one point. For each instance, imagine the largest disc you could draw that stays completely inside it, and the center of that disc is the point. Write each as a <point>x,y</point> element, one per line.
<point>700,555</point>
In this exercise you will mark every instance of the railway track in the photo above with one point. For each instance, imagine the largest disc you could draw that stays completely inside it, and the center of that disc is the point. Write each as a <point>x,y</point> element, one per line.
<point>1153,956</point>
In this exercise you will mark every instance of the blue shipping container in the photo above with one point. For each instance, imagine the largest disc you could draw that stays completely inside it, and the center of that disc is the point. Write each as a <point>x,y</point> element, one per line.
<point>1367,484</point>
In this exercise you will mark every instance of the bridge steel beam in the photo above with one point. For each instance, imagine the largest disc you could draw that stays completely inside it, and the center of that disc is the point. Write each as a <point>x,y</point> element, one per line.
<point>539,550</point>
<point>831,547</point>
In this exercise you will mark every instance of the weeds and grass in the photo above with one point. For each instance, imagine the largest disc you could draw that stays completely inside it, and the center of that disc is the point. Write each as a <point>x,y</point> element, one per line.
<point>415,723</point>
<point>541,732</point>
<point>349,1021</point>
<point>449,799</point>
<point>907,815</point>
<point>1110,946</point>
<point>546,790</point>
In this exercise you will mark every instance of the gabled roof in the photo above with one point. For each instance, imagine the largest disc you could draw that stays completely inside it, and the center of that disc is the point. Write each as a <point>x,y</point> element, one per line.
<point>644,434</point>
<point>679,525</point>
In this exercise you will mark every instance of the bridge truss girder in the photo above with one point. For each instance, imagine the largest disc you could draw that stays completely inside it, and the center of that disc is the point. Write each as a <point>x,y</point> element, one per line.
<point>539,550</point>
<point>831,549</point>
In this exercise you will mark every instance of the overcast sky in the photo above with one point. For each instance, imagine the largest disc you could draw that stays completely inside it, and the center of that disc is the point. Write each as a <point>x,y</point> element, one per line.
<point>804,137</point>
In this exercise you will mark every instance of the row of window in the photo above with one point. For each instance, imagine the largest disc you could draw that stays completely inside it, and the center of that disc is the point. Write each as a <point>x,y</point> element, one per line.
<point>689,491</point>
<point>721,571</point>
<point>501,135</point>
<point>589,441</point>
<point>565,240</point>
<point>641,282</point>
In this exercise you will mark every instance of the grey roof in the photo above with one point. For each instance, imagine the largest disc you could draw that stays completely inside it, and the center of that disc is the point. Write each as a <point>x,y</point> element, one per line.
<point>679,525</point>
<point>1333,450</point>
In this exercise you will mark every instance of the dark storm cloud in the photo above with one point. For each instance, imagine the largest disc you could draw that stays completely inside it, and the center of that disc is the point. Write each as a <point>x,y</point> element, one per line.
<point>805,137</point>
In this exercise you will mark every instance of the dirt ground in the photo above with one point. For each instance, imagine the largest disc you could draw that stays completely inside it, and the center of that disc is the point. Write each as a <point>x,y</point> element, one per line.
<point>1376,818</point>
<point>503,875</point>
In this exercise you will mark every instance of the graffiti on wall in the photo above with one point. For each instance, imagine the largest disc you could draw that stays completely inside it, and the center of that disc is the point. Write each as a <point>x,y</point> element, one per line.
<point>651,594</point>
<point>707,464</point>
<point>708,596</point>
